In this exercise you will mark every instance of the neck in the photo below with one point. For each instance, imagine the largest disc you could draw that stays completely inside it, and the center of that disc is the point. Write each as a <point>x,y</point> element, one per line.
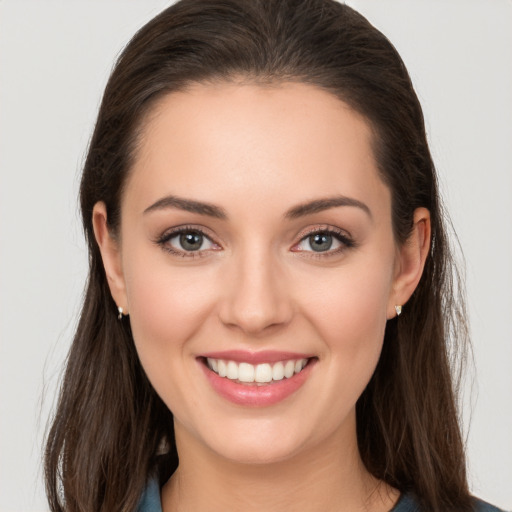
<point>328,478</point>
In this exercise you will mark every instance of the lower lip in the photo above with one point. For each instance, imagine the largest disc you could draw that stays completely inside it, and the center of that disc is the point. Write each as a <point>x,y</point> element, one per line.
<point>254,395</point>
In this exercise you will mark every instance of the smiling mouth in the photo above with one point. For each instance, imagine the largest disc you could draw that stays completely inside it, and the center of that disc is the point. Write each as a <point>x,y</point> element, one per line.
<point>257,374</point>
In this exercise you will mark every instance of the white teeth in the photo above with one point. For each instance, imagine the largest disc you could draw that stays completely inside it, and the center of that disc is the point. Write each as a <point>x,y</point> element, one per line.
<point>213,364</point>
<point>289,369</point>
<point>261,373</point>
<point>232,370</point>
<point>245,372</point>
<point>278,371</point>
<point>222,368</point>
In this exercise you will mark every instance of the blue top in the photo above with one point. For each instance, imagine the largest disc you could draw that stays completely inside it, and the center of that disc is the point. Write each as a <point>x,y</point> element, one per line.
<point>150,499</point>
<point>150,502</point>
<point>407,503</point>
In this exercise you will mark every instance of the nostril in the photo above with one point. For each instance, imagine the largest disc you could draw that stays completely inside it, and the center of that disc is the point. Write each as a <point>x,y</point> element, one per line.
<point>255,300</point>
<point>263,320</point>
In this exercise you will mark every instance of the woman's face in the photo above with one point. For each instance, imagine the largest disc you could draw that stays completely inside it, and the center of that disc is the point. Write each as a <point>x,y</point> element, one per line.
<point>256,238</point>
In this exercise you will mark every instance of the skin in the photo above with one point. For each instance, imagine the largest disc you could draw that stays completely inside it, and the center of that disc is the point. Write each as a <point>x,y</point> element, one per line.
<point>256,152</point>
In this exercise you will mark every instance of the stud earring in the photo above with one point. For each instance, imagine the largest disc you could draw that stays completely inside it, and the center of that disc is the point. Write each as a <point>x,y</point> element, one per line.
<point>398,310</point>
<point>120,315</point>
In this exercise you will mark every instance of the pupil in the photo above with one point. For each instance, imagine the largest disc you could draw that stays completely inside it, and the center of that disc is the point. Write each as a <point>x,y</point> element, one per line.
<point>191,241</point>
<point>320,242</point>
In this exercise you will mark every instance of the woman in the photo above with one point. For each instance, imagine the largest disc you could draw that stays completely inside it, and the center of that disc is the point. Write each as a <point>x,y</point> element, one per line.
<point>270,293</point>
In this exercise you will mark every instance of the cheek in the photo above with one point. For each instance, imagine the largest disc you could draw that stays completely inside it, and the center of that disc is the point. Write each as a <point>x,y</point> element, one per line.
<point>352,301</point>
<point>351,320</point>
<point>166,309</point>
<point>350,313</point>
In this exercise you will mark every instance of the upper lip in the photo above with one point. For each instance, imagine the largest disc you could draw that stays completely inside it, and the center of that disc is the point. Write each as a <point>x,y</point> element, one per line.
<point>263,356</point>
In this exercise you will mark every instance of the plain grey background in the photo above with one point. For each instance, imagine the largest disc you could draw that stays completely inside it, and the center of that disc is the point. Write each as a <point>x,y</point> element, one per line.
<point>55,57</point>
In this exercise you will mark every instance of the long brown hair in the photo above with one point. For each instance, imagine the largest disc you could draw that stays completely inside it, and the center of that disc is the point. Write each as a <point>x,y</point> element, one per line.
<point>110,424</point>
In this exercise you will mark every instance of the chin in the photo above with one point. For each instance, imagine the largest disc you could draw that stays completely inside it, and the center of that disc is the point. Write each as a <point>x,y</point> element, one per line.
<point>256,442</point>
<point>257,454</point>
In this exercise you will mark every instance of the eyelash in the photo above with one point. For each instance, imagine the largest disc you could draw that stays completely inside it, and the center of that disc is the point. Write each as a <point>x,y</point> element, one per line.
<point>342,237</point>
<point>163,241</point>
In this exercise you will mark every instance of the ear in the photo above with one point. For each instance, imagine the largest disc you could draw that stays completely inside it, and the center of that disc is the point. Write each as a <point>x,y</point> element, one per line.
<point>411,257</point>
<point>111,255</point>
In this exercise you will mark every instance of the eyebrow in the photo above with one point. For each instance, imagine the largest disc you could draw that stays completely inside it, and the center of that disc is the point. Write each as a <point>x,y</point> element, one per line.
<point>189,206</point>
<point>301,210</point>
<point>319,205</point>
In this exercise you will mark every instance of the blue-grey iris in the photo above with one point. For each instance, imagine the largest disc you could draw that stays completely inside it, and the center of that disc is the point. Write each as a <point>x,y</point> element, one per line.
<point>320,242</point>
<point>191,241</point>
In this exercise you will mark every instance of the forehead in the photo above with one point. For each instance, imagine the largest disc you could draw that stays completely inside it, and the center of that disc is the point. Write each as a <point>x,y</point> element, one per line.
<point>290,142</point>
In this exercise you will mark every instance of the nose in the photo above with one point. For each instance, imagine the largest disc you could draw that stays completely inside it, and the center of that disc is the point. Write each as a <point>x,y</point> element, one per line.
<point>256,297</point>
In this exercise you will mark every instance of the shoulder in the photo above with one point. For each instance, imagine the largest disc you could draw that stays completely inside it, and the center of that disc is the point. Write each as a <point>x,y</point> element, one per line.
<point>150,502</point>
<point>407,503</point>
<point>150,499</point>
<point>482,506</point>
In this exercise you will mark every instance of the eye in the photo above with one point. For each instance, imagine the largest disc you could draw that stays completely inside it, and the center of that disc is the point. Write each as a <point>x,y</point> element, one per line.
<point>190,241</point>
<point>187,242</point>
<point>326,241</point>
<point>320,242</point>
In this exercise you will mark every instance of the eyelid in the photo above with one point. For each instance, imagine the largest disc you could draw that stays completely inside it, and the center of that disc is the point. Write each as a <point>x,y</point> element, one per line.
<point>341,235</point>
<point>323,228</point>
<point>163,239</point>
